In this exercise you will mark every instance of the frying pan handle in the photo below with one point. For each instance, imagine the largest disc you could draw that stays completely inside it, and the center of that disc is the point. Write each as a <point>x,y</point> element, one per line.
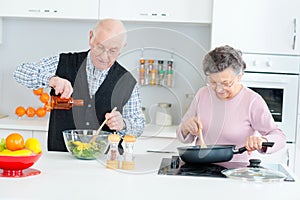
<point>264,144</point>
<point>267,144</point>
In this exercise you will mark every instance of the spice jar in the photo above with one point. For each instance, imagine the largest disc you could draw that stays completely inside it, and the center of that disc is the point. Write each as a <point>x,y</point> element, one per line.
<point>128,159</point>
<point>152,72</point>
<point>161,72</point>
<point>163,114</point>
<point>170,72</point>
<point>142,72</point>
<point>113,156</point>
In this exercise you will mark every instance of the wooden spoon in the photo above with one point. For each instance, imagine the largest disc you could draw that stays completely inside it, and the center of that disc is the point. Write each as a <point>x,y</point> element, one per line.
<point>202,143</point>
<point>101,126</point>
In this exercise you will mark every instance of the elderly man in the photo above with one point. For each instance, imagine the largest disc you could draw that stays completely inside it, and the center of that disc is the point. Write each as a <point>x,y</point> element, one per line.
<point>94,76</point>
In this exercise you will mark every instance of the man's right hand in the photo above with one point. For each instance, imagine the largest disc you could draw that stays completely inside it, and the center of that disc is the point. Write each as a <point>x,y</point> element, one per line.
<point>61,86</point>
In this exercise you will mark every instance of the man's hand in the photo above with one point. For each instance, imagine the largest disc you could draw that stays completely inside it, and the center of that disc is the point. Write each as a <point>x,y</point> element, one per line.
<point>115,121</point>
<point>61,86</point>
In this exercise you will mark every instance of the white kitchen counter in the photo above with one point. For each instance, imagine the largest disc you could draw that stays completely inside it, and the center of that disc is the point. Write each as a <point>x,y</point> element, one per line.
<point>64,177</point>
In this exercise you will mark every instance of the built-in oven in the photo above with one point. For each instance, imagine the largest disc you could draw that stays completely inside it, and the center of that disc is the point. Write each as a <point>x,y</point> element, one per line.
<point>275,78</point>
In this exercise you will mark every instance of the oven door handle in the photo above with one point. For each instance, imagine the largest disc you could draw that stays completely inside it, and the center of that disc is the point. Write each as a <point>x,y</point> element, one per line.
<point>294,33</point>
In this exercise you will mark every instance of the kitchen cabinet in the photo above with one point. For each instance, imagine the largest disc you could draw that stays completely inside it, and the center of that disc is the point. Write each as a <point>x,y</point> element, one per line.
<point>67,9</point>
<point>256,26</point>
<point>190,11</point>
<point>25,133</point>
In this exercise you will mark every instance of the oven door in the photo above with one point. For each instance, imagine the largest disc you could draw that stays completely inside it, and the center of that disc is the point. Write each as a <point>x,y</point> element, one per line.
<point>280,91</point>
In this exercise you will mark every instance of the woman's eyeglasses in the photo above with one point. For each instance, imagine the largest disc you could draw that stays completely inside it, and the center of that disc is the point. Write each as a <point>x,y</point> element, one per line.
<point>224,85</point>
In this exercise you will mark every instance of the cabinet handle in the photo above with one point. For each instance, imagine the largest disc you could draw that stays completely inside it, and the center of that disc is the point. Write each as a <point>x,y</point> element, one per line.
<point>288,157</point>
<point>295,33</point>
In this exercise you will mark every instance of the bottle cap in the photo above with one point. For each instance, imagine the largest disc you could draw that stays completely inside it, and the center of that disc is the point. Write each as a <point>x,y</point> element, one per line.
<point>142,61</point>
<point>114,137</point>
<point>129,138</point>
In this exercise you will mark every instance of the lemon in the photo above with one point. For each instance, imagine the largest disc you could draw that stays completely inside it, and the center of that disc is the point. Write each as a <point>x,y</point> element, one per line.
<point>34,145</point>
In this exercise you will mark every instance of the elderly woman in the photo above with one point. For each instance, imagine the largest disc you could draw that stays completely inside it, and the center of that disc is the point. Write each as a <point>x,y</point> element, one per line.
<point>228,112</point>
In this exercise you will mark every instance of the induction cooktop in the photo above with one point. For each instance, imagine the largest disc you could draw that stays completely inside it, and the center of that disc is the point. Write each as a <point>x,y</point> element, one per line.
<point>175,167</point>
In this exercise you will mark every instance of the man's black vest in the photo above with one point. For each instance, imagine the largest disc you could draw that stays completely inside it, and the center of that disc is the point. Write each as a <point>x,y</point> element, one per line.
<point>115,91</point>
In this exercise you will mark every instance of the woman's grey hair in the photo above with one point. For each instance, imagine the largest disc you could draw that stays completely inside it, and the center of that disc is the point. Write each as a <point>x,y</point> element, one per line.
<point>222,58</point>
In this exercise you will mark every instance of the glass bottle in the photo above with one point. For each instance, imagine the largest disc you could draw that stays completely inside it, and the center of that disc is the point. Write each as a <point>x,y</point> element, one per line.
<point>152,72</point>
<point>113,156</point>
<point>128,159</point>
<point>161,72</point>
<point>142,72</point>
<point>63,104</point>
<point>170,72</point>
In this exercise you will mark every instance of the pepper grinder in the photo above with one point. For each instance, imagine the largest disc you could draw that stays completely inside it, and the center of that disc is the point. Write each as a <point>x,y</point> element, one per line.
<point>113,156</point>
<point>128,159</point>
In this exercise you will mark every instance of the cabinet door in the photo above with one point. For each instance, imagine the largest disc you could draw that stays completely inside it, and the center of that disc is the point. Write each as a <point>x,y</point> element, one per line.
<point>255,26</point>
<point>193,11</point>
<point>67,9</point>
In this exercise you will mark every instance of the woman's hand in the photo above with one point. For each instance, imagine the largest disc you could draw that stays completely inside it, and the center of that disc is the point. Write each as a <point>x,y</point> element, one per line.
<point>254,143</point>
<point>191,126</point>
<point>115,121</point>
<point>61,86</point>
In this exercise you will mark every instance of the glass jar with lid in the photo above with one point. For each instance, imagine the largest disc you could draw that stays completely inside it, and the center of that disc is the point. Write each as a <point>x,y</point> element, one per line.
<point>163,114</point>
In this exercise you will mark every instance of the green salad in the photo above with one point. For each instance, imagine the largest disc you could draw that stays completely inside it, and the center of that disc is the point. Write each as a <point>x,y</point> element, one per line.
<point>87,151</point>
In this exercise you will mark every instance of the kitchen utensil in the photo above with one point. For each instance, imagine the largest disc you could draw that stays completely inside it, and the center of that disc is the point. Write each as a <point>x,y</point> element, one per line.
<point>101,126</point>
<point>18,166</point>
<point>254,172</point>
<point>202,143</point>
<point>78,143</point>
<point>211,154</point>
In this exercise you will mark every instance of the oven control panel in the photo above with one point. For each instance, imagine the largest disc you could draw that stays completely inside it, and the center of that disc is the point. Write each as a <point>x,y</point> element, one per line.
<point>272,63</point>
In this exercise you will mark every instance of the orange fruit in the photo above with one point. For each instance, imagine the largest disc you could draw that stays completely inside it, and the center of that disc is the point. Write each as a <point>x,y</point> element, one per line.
<point>14,141</point>
<point>40,112</point>
<point>44,97</point>
<point>30,112</point>
<point>38,91</point>
<point>20,111</point>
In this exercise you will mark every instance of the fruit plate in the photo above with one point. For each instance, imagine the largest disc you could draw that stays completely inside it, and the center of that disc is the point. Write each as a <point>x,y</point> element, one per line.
<point>18,166</point>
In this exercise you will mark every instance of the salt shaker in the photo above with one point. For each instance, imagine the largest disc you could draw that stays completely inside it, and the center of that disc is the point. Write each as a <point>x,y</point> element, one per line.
<point>113,156</point>
<point>128,160</point>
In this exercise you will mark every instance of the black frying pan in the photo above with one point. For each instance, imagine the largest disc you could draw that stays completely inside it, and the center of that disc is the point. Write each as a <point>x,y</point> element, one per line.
<point>211,154</point>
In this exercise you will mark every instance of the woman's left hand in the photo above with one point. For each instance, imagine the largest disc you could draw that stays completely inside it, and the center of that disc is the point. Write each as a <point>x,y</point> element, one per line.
<point>254,143</point>
<point>115,121</point>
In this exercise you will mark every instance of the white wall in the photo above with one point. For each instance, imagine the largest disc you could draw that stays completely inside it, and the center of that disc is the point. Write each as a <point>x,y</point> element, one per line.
<point>27,40</point>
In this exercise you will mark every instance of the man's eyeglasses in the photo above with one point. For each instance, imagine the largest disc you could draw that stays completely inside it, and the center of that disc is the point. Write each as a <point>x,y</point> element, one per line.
<point>224,85</point>
<point>113,52</point>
